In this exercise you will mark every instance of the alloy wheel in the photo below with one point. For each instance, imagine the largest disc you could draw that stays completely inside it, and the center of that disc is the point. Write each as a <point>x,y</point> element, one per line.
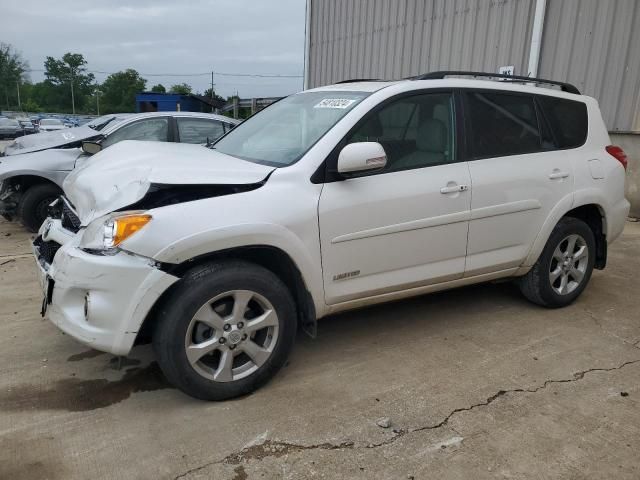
<point>569,264</point>
<point>232,335</point>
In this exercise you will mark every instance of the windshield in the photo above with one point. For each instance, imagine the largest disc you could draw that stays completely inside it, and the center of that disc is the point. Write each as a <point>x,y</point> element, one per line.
<point>50,121</point>
<point>281,134</point>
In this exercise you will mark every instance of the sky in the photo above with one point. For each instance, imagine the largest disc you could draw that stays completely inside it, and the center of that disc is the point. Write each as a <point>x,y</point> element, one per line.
<point>167,36</point>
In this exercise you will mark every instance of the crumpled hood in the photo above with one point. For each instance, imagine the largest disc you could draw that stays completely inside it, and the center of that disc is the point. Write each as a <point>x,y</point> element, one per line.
<point>122,174</point>
<point>46,140</point>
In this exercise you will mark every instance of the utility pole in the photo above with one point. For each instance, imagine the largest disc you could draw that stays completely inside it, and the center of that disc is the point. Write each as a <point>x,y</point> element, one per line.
<point>73,100</point>
<point>18,87</point>
<point>98,92</point>
<point>212,91</point>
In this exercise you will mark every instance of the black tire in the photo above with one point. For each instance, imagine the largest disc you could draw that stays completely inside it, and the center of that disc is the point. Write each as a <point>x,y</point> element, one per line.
<point>190,294</point>
<point>536,285</point>
<point>34,205</point>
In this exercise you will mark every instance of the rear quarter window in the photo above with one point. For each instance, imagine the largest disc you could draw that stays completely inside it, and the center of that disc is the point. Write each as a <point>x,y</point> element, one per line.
<point>567,120</point>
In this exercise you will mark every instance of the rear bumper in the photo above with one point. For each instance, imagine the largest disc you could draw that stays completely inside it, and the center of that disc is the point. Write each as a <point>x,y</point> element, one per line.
<point>616,219</point>
<point>99,300</point>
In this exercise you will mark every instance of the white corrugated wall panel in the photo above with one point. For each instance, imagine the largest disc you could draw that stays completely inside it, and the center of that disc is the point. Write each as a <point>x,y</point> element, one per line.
<point>399,38</point>
<point>595,44</point>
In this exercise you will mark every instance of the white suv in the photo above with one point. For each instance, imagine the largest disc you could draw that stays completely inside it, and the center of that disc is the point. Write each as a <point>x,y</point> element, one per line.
<point>330,199</point>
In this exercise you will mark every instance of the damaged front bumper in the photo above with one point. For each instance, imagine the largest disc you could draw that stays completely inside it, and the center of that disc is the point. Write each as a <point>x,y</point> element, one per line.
<point>99,300</point>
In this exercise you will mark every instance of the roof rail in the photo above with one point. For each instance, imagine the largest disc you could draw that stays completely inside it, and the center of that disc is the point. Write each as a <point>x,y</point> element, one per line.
<point>354,80</point>
<point>566,87</point>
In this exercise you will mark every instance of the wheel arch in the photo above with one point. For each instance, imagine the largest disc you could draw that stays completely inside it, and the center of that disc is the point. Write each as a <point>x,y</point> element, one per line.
<point>272,258</point>
<point>28,180</point>
<point>594,216</point>
<point>589,210</point>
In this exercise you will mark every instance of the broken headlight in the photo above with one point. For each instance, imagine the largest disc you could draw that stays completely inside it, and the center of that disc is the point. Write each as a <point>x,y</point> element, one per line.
<point>108,232</point>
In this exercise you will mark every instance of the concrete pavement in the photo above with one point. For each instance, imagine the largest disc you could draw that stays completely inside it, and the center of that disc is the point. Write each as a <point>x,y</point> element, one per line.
<point>477,383</point>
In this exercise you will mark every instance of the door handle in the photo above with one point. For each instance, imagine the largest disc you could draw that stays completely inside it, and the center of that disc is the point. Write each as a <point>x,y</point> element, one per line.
<point>558,174</point>
<point>454,189</point>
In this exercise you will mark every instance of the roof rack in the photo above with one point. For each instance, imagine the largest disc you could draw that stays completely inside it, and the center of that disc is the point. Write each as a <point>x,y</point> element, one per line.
<point>566,87</point>
<point>354,80</point>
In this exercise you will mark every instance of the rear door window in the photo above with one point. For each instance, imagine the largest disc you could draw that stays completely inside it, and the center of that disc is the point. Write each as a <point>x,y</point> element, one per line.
<point>567,120</point>
<point>199,130</point>
<point>502,124</point>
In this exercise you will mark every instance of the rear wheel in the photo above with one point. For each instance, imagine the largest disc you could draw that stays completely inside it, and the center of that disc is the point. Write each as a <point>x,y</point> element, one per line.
<point>564,267</point>
<point>34,205</point>
<point>225,330</point>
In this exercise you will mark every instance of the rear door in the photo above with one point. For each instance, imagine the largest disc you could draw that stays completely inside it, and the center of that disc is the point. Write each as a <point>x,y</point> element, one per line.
<point>517,174</point>
<point>406,226</point>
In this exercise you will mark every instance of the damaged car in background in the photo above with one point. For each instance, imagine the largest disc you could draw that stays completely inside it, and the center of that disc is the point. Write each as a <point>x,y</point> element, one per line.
<point>33,168</point>
<point>331,199</point>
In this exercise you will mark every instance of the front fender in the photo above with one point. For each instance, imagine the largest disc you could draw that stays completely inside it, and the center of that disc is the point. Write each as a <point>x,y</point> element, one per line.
<point>241,236</point>
<point>56,177</point>
<point>52,165</point>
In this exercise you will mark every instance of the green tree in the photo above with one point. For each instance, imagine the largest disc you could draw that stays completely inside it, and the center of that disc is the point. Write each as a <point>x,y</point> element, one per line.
<point>119,91</point>
<point>159,88</point>
<point>44,94</point>
<point>181,88</point>
<point>13,70</point>
<point>69,74</point>
<point>30,106</point>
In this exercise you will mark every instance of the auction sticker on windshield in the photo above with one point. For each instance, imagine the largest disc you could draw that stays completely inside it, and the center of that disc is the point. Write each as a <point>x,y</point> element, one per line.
<point>335,103</point>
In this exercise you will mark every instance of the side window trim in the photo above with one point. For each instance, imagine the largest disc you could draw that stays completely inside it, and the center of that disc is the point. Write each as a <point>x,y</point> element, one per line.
<point>327,170</point>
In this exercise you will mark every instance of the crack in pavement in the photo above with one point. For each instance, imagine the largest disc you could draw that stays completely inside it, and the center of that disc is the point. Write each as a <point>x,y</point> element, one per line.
<point>576,377</point>
<point>596,320</point>
<point>16,255</point>
<point>274,448</point>
<point>268,448</point>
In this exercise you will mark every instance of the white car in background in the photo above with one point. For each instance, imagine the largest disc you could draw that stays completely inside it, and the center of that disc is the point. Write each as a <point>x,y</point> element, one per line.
<point>331,199</point>
<point>51,125</point>
<point>34,167</point>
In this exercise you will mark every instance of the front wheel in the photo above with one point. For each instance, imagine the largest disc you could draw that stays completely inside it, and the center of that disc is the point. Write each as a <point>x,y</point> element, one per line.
<point>564,267</point>
<point>225,330</point>
<point>33,208</point>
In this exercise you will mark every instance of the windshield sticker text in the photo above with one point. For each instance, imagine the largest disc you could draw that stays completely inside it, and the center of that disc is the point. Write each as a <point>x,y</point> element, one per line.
<point>341,103</point>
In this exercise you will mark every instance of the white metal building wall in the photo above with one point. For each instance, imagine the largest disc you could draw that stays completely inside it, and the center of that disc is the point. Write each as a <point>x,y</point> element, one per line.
<point>594,44</point>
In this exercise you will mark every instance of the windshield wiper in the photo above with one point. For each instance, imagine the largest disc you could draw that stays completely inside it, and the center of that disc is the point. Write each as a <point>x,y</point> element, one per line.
<point>102,125</point>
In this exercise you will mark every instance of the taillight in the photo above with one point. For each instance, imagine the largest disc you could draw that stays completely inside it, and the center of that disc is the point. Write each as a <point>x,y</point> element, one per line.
<point>617,153</point>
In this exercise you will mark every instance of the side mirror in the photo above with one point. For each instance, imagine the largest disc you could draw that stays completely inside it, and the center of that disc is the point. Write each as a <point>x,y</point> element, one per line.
<point>91,147</point>
<point>361,157</point>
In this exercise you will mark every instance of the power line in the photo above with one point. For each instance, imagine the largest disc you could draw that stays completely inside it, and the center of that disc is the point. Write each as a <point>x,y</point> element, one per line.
<point>222,74</point>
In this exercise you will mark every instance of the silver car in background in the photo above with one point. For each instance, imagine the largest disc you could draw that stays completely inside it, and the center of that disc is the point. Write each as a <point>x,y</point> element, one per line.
<point>34,167</point>
<point>10,128</point>
<point>51,125</point>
